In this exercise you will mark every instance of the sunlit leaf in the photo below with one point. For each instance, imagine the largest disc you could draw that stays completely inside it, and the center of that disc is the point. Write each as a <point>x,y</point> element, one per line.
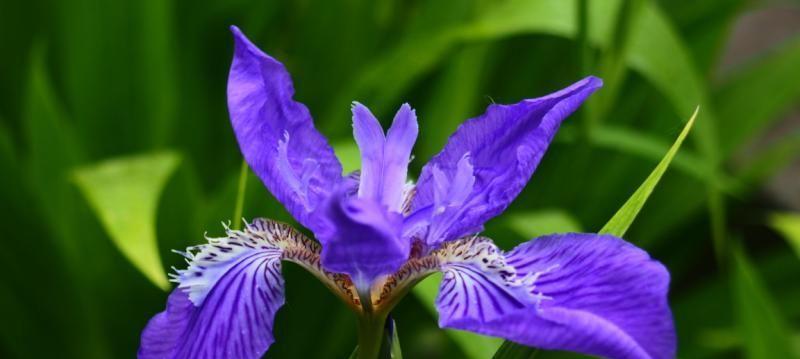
<point>788,224</point>
<point>624,217</point>
<point>761,324</point>
<point>539,223</point>
<point>348,155</point>
<point>124,194</point>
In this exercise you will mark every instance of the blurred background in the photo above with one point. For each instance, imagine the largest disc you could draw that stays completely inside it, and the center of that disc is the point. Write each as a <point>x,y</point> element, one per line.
<point>115,148</point>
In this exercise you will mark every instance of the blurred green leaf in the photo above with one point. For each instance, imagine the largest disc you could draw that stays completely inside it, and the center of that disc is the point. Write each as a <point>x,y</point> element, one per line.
<point>539,223</point>
<point>642,144</point>
<point>348,155</point>
<point>757,94</point>
<point>761,324</point>
<point>788,224</point>
<point>619,223</point>
<point>763,164</point>
<point>475,346</point>
<point>124,194</point>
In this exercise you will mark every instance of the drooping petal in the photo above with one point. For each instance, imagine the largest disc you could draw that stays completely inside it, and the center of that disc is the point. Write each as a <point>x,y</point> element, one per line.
<point>504,146</point>
<point>384,158</point>
<point>227,298</point>
<point>477,284</point>
<point>588,293</point>
<point>276,134</point>
<point>363,239</point>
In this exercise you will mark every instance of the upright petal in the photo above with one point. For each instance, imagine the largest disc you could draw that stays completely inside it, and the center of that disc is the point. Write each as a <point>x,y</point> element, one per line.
<point>384,158</point>
<point>370,139</point>
<point>588,293</point>
<point>363,239</point>
<point>504,146</point>
<point>276,134</point>
<point>227,298</point>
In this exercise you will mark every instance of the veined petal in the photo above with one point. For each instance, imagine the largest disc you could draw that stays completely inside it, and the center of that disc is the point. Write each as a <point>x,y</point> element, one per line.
<point>400,141</point>
<point>276,134</point>
<point>384,158</point>
<point>363,239</point>
<point>477,284</point>
<point>227,298</point>
<point>504,146</point>
<point>589,293</point>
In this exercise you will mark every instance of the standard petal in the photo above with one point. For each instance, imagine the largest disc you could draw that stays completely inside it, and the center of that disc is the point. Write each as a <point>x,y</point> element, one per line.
<point>384,158</point>
<point>276,134</point>
<point>591,293</point>
<point>504,146</point>
<point>363,239</point>
<point>227,298</point>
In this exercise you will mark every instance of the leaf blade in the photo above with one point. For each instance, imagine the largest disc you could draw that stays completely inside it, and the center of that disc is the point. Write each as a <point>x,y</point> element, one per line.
<point>622,220</point>
<point>124,195</point>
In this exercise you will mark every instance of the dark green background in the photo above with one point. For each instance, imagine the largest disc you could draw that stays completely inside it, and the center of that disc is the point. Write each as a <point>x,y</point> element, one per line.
<point>87,80</point>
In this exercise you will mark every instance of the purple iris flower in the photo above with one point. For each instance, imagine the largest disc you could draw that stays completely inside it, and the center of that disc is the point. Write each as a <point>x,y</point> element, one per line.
<point>378,234</point>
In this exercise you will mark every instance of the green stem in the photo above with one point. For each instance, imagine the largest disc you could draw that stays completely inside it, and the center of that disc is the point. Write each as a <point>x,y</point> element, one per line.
<point>370,335</point>
<point>237,212</point>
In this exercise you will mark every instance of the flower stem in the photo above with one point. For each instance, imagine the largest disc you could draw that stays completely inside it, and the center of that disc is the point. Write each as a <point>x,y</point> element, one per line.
<point>237,212</point>
<point>370,335</point>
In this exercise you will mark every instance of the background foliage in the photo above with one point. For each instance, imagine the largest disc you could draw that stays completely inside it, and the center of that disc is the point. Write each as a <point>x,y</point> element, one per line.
<point>143,83</point>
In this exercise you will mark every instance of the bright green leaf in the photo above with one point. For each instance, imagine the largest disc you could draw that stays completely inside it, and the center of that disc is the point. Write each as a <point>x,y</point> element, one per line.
<point>124,194</point>
<point>761,325</point>
<point>619,223</point>
<point>348,155</point>
<point>539,223</point>
<point>788,224</point>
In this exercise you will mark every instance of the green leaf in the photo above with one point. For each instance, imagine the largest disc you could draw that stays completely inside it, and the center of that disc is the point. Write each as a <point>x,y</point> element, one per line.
<point>474,346</point>
<point>539,223</point>
<point>124,194</point>
<point>390,347</point>
<point>761,324</point>
<point>348,154</point>
<point>511,350</point>
<point>619,223</point>
<point>787,224</point>
<point>743,99</point>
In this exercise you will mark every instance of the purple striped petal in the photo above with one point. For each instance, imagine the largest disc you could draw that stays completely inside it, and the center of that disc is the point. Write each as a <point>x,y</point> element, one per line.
<point>477,284</point>
<point>502,149</point>
<point>226,300</point>
<point>588,293</point>
<point>384,158</point>
<point>276,134</point>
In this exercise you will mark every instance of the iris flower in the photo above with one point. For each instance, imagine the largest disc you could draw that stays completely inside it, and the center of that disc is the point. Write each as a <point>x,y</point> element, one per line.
<point>377,234</point>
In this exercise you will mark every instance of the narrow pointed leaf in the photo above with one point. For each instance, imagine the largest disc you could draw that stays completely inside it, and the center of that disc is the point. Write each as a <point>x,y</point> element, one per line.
<point>619,223</point>
<point>124,194</point>
<point>761,324</point>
